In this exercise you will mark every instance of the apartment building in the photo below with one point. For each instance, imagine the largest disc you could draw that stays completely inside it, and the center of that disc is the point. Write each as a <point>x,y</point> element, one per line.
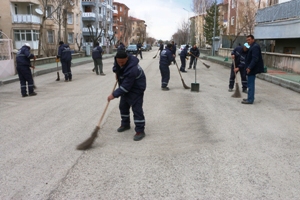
<point>280,26</point>
<point>198,20</point>
<point>121,25</point>
<point>21,20</point>
<point>97,21</point>
<point>138,27</point>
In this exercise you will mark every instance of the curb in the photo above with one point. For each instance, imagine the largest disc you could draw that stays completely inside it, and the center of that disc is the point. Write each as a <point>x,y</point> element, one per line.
<point>49,70</point>
<point>266,77</point>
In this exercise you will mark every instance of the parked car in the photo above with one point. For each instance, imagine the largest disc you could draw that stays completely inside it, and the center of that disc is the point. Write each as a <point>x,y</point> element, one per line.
<point>131,49</point>
<point>146,47</point>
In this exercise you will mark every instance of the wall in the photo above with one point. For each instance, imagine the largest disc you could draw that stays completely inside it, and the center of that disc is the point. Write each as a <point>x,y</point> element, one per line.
<point>280,44</point>
<point>285,62</point>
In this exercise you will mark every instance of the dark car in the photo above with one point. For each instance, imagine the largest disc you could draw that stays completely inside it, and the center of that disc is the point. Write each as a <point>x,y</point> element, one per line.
<point>146,47</point>
<point>131,49</point>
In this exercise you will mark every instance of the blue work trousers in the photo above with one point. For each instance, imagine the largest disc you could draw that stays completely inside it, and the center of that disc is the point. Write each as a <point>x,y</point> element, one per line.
<point>251,88</point>
<point>165,75</point>
<point>136,104</point>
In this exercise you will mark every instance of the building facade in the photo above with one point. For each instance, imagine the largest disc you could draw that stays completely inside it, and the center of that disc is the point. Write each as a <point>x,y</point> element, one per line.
<point>138,30</point>
<point>97,21</point>
<point>21,20</point>
<point>121,25</point>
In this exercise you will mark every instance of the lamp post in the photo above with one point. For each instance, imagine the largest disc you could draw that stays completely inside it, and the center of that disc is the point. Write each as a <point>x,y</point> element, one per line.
<point>214,34</point>
<point>188,26</point>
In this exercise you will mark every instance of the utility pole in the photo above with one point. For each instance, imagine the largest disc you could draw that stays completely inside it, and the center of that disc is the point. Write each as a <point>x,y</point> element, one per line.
<point>214,34</point>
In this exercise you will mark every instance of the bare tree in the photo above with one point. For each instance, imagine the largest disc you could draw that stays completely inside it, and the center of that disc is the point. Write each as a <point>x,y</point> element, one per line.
<point>200,6</point>
<point>49,8</point>
<point>78,41</point>
<point>245,15</point>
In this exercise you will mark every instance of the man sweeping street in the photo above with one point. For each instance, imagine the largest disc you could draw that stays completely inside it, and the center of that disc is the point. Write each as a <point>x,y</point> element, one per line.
<point>194,52</point>
<point>23,69</point>
<point>97,58</point>
<point>239,55</point>
<point>166,57</point>
<point>132,84</point>
<point>65,56</point>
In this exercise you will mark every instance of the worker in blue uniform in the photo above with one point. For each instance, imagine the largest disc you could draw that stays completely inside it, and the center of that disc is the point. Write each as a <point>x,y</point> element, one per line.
<point>166,57</point>
<point>132,84</point>
<point>23,68</point>
<point>65,56</point>
<point>183,56</point>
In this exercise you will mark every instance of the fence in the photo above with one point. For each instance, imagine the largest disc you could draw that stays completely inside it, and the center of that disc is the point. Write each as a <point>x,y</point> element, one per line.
<point>7,67</point>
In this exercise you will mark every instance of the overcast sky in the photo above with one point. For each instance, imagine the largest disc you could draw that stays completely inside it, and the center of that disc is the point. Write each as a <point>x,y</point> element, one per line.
<point>163,17</point>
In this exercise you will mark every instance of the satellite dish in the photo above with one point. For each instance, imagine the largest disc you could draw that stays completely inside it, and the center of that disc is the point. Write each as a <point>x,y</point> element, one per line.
<point>39,11</point>
<point>71,3</point>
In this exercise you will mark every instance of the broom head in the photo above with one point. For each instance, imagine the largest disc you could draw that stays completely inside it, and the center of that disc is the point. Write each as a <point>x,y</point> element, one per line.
<point>237,93</point>
<point>88,143</point>
<point>206,65</point>
<point>184,85</point>
<point>154,56</point>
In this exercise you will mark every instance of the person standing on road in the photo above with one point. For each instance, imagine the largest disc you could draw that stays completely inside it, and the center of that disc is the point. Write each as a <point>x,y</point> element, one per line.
<point>183,56</point>
<point>65,56</point>
<point>238,55</point>
<point>139,49</point>
<point>121,46</point>
<point>254,65</point>
<point>166,57</point>
<point>194,52</point>
<point>97,57</point>
<point>132,85</point>
<point>23,68</point>
<point>161,47</point>
<point>174,51</point>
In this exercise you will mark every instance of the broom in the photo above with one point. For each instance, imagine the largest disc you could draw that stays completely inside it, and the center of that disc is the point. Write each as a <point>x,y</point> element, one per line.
<point>57,60</point>
<point>156,54</point>
<point>34,86</point>
<point>206,65</point>
<point>184,85</point>
<point>237,93</point>
<point>88,142</point>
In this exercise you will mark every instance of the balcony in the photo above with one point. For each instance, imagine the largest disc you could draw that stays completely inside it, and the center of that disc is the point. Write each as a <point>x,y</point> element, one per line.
<point>88,16</point>
<point>28,19</point>
<point>86,32</point>
<point>88,3</point>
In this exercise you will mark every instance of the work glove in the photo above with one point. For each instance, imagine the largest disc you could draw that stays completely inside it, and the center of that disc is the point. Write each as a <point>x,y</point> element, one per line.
<point>57,60</point>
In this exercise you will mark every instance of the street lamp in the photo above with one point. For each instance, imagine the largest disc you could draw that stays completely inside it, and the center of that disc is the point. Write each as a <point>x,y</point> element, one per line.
<point>214,34</point>
<point>188,26</point>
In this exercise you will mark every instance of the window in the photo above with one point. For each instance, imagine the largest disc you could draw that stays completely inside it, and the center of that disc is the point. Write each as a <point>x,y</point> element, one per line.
<point>26,35</point>
<point>120,19</point>
<point>29,10</point>
<point>49,12</point>
<point>233,3</point>
<point>70,38</point>
<point>50,35</point>
<point>232,21</point>
<point>16,9</point>
<point>70,18</point>
<point>99,10</point>
<point>121,8</point>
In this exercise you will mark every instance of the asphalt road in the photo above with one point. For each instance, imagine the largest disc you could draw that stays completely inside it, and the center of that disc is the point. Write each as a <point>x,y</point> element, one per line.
<point>198,145</point>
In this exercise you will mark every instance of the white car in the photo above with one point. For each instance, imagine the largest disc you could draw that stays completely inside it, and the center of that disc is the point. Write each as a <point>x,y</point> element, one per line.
<point>182,47</point>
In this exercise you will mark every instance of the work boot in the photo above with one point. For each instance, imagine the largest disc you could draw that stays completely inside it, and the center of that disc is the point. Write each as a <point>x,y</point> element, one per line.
<point>123,128</point>
<point>230,90</point>
<point>32,94</point>
<point>189,68</point>
<point>24,95</point>
<point>138,136</point>
<point>102,74</point>
<point>245,90</point>
<point>165,88</point>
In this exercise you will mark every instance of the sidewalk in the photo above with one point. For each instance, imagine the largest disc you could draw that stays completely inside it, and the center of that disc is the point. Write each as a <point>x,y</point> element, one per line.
<point>276,76</point>
<point>52,67</point>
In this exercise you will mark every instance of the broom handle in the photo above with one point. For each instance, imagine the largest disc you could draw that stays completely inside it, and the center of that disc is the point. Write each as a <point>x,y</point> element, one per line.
<point>233,69</point>
<point>102,116</point>
<point>178,69</point>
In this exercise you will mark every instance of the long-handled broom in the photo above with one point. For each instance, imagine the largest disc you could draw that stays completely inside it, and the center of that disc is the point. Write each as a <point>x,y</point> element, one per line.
<point>57,60</point>
<point>88,142</point>
<point>237,93</point>
<point>33,75</point>
<point>206,65</point>
<point>184,85</point>
<point>156,54</point>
